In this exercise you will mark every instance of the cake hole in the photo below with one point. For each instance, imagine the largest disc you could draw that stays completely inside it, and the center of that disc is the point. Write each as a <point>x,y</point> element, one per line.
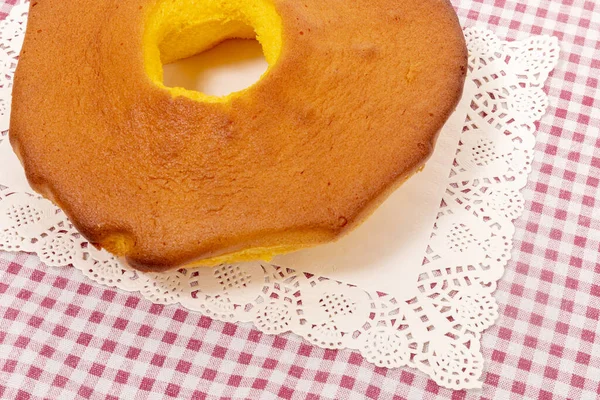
<point>199,37</point>
<point>229,67</point>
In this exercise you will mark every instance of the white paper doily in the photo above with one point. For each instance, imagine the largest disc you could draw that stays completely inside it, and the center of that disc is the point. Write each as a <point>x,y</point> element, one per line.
<point>436,325</point>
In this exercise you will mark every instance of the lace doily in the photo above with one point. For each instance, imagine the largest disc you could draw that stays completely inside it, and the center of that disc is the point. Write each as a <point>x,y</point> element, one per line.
<point>437,327</point>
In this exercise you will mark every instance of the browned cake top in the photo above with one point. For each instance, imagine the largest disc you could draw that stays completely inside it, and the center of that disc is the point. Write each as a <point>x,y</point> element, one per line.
<point>351,108</point>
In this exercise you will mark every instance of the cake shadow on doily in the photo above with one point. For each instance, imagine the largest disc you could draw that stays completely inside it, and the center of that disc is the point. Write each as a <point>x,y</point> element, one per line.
<point>371,247</point>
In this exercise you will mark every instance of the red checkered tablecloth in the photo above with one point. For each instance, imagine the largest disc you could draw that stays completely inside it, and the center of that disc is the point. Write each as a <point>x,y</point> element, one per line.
<point>62,337</point>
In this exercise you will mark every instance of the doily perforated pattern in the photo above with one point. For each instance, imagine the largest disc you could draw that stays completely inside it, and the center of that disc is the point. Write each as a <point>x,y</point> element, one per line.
<point>438,331</point>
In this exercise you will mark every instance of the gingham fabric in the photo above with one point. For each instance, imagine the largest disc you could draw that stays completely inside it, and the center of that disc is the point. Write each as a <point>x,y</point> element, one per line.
<point>62,337</point>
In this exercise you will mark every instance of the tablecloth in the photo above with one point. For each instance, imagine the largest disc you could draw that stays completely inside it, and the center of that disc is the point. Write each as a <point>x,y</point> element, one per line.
<point>63,337</point>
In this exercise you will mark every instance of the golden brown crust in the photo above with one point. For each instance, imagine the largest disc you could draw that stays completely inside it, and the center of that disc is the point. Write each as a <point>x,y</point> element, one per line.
<point>352,108</point>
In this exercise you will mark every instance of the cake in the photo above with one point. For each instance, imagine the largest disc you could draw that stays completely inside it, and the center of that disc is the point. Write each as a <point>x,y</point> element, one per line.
<point>350,107</point>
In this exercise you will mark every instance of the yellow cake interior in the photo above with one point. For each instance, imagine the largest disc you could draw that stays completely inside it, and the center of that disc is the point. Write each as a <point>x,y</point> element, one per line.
<point>183,28</point>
